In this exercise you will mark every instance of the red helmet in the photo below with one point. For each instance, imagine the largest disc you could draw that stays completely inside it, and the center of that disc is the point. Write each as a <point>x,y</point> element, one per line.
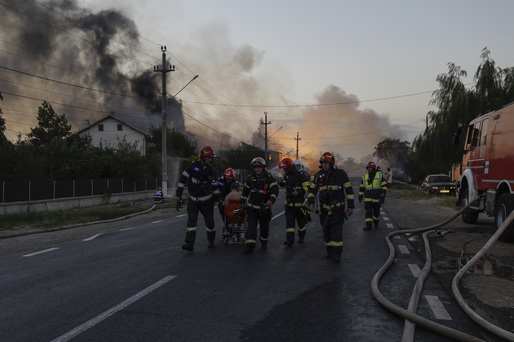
<point>327,156</point>
<point>258,162</point>
<point>286,163</point>
<point>229,173</point>
<point>371,164</point>
<point>206,151</point>
<point>378,167</point>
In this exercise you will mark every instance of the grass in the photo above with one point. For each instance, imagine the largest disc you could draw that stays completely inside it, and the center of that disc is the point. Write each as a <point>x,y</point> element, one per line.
<point>49,219</point>
<point>412,194</point>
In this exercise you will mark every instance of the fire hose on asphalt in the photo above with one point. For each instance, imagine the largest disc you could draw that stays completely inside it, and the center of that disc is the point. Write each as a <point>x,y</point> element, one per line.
<point>409,315</point>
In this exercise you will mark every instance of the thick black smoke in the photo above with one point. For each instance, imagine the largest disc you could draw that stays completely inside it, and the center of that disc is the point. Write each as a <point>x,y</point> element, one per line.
<point>96,53</point>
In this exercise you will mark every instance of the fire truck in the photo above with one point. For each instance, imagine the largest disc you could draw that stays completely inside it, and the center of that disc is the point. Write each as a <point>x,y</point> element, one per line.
<point>487,169</point>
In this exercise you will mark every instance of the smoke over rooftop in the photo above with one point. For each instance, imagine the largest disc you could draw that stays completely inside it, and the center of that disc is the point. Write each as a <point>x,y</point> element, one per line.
<point>100,65</point>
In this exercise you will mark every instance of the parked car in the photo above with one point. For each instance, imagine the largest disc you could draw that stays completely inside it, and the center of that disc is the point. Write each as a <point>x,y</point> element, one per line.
<point>438,184</point>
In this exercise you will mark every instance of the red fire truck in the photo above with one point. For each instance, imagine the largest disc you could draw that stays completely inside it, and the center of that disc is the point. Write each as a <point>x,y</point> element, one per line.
<point>488,168</point>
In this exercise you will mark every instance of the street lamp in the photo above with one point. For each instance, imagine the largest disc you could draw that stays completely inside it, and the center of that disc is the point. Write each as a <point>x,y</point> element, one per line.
<point>164,132</point>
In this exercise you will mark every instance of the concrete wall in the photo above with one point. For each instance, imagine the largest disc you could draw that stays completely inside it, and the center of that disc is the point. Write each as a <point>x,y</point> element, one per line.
<point>70,203</point>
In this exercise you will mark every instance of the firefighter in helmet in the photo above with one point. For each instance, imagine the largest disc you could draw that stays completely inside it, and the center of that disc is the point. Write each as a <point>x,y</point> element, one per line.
<point>373,187</point>
<point>259,194</point>
<point>158,196</point>
<point>335,193</point>
<point>225,183</point>
<point>297,186</point>
<point>202,185</point>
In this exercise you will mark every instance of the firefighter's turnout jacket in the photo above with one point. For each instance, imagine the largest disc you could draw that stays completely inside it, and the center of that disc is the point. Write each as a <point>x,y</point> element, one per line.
<point>295,180</point>
<point>259,189</point>
<point>373,185</point>
<point>201,181</point>
<point>334,191</point>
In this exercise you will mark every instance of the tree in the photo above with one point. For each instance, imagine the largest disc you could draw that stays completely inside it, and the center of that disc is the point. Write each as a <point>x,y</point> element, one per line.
<point>50,127</point>
<point>3,139</point>
<point>393,151</point>
<point>177,143</point>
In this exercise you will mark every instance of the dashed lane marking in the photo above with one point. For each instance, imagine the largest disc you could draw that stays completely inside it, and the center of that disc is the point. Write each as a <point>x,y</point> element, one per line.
<point>403,249</point>
<point>390,225</point>
<point>157,221</point>
<point>92,237</point>
<point>94,321</point>
<point>415,270</point>
<point>41,252</point>
<point>386,218</point>
<point>438,308</point>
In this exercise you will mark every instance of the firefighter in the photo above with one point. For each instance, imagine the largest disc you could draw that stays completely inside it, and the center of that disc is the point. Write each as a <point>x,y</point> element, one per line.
<point>224,186</point>
<point>334,191</point>
<point>373,187</point>
<point>259,194</point>
<point>158,197</point>
<point>297,186</point>
<point>202,186</point>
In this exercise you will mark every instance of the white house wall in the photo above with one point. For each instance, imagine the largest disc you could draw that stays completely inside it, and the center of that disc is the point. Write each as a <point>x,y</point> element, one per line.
<point>110,136</point>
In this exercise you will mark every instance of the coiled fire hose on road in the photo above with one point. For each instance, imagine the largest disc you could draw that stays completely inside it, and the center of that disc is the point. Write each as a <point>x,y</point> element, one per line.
<point>410,314</point>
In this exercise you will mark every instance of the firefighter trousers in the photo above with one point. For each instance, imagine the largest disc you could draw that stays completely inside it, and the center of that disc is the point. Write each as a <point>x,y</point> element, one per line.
<point>332,232</point>
<point>207,210</point>
<point>294,215</point>
<point>257,217</point>
<point>372,214</point>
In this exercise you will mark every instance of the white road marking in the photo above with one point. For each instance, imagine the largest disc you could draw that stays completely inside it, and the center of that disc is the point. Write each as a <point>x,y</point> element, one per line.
<point>41,252</point>
<point>124,229</point>
<point>157,221</point>
<point>397,237</point>
<point>278,215</point>
<point>386,218</point>
<point>92,237</point>
<point>92,322</point>
<point>415,270</point>
<point>403,249</point>
<point>390,225</point>
<point>438,308</point>
<point>181,215</point>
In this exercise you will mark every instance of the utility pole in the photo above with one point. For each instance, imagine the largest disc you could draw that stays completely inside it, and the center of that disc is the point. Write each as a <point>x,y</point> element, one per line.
<point>297,140</point>
<point>164,131</point>
<point>266,123</point>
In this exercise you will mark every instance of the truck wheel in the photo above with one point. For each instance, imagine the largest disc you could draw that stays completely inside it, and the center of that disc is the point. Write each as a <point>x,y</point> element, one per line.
<point>504,207</point>
<point>468,216</point>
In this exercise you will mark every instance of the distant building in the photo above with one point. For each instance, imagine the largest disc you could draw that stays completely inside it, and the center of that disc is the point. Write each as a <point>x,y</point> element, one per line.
<point>109,131</point>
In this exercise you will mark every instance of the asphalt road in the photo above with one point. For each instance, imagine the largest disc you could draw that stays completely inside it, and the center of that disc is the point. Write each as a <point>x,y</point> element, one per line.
<point>130,281</point>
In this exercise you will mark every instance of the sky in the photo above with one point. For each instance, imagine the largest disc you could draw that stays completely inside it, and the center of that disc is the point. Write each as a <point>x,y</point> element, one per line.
<point>336,76</point>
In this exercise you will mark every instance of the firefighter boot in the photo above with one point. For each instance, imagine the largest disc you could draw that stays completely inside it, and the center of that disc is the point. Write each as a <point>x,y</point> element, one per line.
<point>329,252</point>
<point>211,244</point>
<point>187,247</point>
<point>264,244</point>
<point>248,249</point>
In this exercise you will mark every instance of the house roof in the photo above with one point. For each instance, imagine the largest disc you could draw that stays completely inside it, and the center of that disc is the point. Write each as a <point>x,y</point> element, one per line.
<point>111,116</point>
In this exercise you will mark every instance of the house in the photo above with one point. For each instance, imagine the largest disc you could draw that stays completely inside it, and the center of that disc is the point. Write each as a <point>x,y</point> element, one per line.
<point>109,131</point>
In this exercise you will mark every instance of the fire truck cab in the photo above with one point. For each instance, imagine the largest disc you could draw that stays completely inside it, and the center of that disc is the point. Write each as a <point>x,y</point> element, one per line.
<point>487,168</point>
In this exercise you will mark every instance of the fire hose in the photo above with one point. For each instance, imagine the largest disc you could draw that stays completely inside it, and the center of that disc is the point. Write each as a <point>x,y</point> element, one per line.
<point>409,315</point>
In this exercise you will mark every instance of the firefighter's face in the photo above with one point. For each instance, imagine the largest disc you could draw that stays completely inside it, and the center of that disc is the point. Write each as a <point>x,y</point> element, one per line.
<point>325,165</point>
<point>258,169</point>
<point>207,160</point>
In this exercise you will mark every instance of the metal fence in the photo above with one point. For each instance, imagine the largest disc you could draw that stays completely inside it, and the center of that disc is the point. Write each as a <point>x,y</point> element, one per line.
<point>26,191</point>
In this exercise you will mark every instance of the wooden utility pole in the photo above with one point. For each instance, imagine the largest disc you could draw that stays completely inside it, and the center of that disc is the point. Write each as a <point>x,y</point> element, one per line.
<point>266,123</point>
<point>297,140</point>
